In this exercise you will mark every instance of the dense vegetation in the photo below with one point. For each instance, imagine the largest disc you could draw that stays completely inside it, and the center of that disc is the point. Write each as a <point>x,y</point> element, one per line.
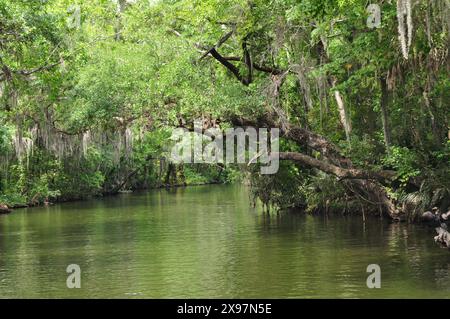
<point>90,90</point>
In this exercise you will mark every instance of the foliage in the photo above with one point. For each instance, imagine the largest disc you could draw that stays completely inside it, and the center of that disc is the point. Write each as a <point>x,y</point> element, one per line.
<point>404,161</point>
<point>96,101</point>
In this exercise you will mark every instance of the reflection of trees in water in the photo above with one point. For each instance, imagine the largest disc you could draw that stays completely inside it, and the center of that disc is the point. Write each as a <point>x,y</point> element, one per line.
<point>442,276</point>
<point>208,242</point>
<point>332,253</point>
<point>321,257</point>
<point>414,255</point>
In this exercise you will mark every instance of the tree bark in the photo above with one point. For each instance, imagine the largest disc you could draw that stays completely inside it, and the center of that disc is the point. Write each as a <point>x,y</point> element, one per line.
<point>302,137</point>
<point>343,114</point>
<point>342,173</point>
<point>121,6</point>
<point>434,126</point>
<point>384,113</point>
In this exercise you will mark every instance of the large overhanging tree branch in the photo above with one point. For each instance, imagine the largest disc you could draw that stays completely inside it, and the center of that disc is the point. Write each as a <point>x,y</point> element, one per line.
<point>301,136</point>
<point>230,66</point>
<point>360,181</point>
<point>246,59</point>
<point>341,173</point>
<point>333,162</point>
<point>256,66</point>
<point>217,46</point>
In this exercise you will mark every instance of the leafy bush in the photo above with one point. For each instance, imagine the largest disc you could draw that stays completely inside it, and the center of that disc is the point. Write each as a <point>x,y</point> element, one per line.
<point>404,161</point>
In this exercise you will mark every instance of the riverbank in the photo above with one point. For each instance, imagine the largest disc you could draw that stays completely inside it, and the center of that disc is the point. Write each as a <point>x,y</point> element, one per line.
<point>7,208</point>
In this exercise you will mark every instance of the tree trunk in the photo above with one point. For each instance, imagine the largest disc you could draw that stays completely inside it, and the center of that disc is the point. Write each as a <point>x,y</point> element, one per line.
<point>384,113</point>
<point>434,126</point>
<point>343,114</point>
<point>121,6</point>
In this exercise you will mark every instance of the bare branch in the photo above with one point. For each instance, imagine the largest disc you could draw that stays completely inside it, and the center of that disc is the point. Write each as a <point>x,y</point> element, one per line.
<point>229,66</point>
<point>215,47</point>
<point>41,68</point>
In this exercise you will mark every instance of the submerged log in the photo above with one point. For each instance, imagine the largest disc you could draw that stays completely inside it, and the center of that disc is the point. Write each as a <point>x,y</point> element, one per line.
<point>443,236</point>
<point>4,209</point>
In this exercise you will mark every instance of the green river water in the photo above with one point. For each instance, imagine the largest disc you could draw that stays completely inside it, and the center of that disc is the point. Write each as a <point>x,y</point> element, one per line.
<point>207,242</point>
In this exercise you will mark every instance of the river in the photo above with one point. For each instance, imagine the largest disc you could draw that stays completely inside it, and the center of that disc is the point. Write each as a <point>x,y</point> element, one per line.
<point>208,242</point>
